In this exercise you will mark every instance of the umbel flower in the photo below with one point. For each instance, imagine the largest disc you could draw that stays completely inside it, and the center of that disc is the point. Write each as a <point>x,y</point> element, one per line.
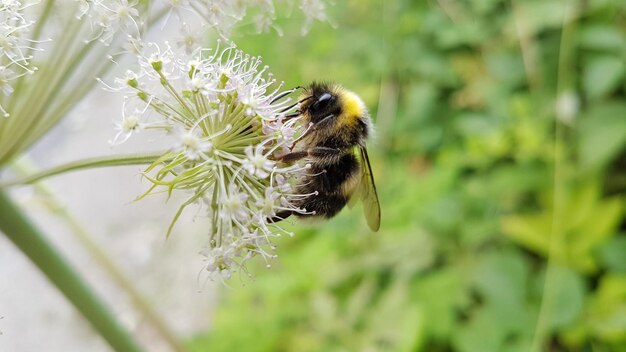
<point>228,116</point>
<point>224,15</point>
<point>14,47</point>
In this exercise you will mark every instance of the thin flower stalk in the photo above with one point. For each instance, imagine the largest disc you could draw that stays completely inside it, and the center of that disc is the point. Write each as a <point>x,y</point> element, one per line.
<point>67,62</point>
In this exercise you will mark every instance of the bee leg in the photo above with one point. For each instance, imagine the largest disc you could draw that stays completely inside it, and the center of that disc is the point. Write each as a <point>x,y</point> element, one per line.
<point>280,216</point>
<point>319,124</point>
<point>325,152</point>
<point>292,115</point>
<point>293,156</point>
<point>311,128</point>
<point>302,136</point>
<point>318,152</point>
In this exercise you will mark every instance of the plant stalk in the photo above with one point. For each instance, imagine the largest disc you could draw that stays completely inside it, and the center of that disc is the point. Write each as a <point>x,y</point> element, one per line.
<point>143,306</point>
<point>31,241</point>
<point>114,160</point>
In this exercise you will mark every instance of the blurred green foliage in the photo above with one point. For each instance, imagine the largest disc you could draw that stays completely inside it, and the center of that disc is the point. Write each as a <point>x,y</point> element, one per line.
<point>501,166</point>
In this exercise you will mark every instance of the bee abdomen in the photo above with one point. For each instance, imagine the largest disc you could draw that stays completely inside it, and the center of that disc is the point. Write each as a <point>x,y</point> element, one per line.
<point>330,177</point>
<point>325,205</point>
<point>334,184</point>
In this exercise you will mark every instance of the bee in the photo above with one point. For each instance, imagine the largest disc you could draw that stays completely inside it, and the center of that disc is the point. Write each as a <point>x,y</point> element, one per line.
<point>335,146</point>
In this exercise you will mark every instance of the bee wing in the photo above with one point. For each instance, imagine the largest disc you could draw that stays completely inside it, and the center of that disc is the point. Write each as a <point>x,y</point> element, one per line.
<point>367,188</point>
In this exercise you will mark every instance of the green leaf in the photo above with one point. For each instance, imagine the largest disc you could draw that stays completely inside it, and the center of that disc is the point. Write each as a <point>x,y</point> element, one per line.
<point>440,295</point>
<point>586,220</point>
<point>532,231</point>
<point>602,37</point>
<point>564,298</point>
<point>482,333</point>
<point>406,331</point>
<point>602,75</point>
<point>501,279</point>
<point>602,134</point>
<point>598,225</point>
<point>475,124</point>
<point>606,316</point>
<point>589,219</point>
<point>613,254</point>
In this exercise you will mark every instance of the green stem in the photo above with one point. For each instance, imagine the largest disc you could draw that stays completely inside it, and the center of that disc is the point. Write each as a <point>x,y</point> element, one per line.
<point>17,228</point>
<point>557,233</point>
<point>114,160</point>
<point>25,166</point>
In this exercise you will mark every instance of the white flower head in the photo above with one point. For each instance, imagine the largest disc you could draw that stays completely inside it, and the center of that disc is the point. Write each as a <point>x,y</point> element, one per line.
<point>312,10</point>
<point>131,123</point>
<point>268,203</point>
<point>225,15</point>
<point>189,38</point>
<point>234,205</point>
<point>14,45</point>
<point>220,261</point>
<point>193,145</point>
<point>108,17</point>
<point>284,131</point>
<point>227,145</point>
<point>256,162</point>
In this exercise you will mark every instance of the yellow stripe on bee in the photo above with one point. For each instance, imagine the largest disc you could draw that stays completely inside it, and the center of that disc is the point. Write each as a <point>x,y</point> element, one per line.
<point>352,107</point>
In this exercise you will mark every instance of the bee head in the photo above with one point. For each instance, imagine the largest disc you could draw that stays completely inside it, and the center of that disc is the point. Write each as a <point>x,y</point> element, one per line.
<point>320,102</point>
<point>334,109</point>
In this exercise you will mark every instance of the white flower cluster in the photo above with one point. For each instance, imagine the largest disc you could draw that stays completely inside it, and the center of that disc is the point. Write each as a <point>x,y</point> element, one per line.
<point>14,46</point>
<point>223,15</point>
<point>109,16</point>
<point>229,116</point>
<point>114,21</point>
<point>312,10</point>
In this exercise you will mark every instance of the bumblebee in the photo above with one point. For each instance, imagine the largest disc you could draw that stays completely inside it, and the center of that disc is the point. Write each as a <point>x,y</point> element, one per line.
<point>335,146</point>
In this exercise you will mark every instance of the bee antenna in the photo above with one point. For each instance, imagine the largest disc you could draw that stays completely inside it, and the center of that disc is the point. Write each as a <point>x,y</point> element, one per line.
<point>284,94</point>
<point>290,107</point>
<point>305,99</point>
<point>294,104</point>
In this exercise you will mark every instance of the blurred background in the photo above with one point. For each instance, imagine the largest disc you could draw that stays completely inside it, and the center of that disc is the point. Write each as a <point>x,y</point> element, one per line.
<point>500,162</point>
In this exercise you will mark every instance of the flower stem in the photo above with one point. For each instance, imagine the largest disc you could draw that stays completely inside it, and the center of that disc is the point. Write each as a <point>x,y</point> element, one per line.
<point>557,233</point>
<point>140,302</point>
<point>114,160</point>
<point>17,228</point>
